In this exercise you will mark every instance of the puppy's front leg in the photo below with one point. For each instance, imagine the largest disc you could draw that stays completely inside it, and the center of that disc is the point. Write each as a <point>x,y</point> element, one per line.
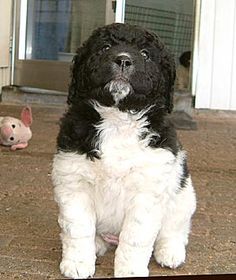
<point>136,240</point>
<point>77,221</point>
<point>77,217</point>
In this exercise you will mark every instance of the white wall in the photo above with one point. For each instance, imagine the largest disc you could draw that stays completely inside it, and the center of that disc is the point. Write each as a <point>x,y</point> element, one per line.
<point>216,56</point>
<point>5,26</point>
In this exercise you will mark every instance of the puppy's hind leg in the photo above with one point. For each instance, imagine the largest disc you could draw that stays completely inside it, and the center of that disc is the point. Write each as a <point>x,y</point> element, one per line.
<point>173,237</point>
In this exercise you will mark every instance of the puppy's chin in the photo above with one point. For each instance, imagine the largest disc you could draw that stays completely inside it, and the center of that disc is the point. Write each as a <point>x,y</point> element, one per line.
<point>119,89</point>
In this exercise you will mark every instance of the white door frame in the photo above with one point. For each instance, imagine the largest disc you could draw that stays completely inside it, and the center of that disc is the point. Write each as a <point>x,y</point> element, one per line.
<point>120,11</point>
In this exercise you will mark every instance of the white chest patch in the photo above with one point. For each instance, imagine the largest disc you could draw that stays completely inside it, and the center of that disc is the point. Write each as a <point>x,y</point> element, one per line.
<point>120,142</point>
<point>119,138</point>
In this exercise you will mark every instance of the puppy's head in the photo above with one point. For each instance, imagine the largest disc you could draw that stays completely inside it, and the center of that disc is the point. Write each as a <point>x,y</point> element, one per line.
<point>124,66</point>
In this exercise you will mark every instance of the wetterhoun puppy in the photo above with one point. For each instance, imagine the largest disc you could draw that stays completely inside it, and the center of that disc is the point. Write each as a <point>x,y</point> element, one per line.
<point>120,174</point>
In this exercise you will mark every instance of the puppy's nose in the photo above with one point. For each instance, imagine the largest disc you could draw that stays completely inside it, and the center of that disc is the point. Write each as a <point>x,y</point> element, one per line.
<point>123,61</point>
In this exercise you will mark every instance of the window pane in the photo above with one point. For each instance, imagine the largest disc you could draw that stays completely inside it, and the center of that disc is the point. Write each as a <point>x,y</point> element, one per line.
<point>55,28</point>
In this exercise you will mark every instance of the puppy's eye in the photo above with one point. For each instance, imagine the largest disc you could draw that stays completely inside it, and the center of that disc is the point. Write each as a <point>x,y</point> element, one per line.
<point>145,54</point>
<point>12,138</point>
<point>106,47</point>
<point>13,126</point>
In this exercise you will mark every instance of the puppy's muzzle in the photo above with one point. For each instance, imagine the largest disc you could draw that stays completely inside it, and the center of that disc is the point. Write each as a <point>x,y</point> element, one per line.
<point>119,86</point>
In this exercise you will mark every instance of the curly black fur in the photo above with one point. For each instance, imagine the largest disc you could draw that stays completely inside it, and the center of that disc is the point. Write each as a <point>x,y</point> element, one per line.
<point>78,130</point>
<point>151,79</point>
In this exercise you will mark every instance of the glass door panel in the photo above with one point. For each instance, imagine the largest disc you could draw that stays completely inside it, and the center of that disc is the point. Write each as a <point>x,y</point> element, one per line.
<point>48,34</point>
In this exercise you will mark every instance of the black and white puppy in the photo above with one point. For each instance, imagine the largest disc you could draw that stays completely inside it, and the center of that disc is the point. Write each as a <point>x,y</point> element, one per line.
<point>120,174</point>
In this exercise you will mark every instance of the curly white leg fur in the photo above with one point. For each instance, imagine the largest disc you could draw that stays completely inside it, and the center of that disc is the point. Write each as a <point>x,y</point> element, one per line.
<point>131,261</point>
<point>78,237</point>
<point>137,237</point>
<point>170,245</point>
<point>78,257</point>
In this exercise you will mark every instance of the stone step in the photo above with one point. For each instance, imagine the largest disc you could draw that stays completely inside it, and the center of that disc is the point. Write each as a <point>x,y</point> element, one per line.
<point>25,95</point>
<point>181,117</point>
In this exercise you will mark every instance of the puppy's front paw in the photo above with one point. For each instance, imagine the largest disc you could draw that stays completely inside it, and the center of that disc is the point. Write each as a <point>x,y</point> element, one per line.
<point>77,270</point>
<point>126,271</point>
<point>169,255</point>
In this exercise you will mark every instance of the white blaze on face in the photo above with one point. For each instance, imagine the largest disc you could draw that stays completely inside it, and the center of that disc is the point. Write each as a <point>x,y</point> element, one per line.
<point>119,89</point>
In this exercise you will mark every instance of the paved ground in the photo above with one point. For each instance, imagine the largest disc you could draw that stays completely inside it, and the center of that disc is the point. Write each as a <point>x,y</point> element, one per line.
<point>29,234</point>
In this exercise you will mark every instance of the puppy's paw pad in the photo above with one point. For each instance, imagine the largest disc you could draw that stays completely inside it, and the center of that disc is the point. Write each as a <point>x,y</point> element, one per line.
<point>76,270</point>
<point>170,256</point>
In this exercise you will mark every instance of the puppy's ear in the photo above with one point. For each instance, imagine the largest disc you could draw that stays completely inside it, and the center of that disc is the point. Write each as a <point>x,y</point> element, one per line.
<point>169,73</point>
<point>77,75</point>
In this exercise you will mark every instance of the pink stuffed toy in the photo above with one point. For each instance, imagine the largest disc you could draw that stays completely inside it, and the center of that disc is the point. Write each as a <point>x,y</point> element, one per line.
<point>14,132</point>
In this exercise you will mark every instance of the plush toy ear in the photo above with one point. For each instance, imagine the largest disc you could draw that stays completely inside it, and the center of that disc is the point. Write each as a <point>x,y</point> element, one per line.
<point>26,116</point>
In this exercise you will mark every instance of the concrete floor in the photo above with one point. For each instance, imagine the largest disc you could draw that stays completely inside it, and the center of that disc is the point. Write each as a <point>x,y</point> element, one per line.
<point>29,234</point>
